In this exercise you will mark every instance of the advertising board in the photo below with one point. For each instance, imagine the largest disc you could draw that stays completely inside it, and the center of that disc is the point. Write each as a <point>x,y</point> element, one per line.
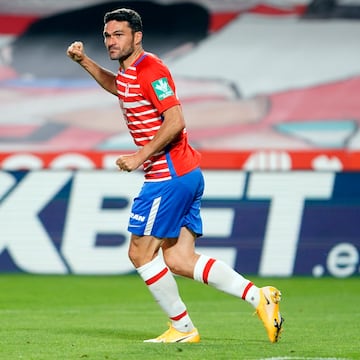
<point>265,223</point>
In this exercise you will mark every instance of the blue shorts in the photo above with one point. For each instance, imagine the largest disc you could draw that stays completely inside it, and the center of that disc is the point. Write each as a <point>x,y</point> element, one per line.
<point>163,208</point>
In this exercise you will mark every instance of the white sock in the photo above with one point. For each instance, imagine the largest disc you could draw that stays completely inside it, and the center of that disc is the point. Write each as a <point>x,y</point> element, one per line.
<point>161,283</point>
<point>221,276</point>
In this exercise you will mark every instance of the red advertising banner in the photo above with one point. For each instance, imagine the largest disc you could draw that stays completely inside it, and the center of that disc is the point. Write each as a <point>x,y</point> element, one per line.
<point>261,160</point>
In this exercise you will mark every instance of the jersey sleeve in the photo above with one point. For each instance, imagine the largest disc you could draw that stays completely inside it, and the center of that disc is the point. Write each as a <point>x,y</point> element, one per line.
<point>158,86</point>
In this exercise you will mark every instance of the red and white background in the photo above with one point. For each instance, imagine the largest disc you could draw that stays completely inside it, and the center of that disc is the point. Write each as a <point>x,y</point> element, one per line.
<point>271,95</point>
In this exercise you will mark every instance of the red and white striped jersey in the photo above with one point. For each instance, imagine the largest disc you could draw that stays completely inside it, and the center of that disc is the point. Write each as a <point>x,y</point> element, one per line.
<point>145,90</point>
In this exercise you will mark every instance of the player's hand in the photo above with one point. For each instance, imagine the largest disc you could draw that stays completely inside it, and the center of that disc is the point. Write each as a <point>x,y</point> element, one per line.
<point>76,51</point>
<point>129,162</point>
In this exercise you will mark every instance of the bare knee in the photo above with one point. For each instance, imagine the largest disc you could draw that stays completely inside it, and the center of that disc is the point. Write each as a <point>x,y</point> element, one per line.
<point>142,249</point>
<point>180,265</point>
<point>173,263</point>
<point>135,256</point>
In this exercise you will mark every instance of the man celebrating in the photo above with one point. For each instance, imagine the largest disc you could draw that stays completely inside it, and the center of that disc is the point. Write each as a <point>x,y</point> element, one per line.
<point>166,213</point>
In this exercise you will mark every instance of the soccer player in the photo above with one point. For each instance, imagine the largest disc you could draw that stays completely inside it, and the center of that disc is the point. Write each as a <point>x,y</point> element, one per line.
<point>166,213</point>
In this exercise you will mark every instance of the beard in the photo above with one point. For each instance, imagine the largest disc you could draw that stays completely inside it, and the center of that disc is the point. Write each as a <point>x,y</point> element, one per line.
<point>121,55</point>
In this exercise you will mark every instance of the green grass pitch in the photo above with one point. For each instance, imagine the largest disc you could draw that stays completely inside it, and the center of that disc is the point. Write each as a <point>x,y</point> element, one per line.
<point>107,317</point>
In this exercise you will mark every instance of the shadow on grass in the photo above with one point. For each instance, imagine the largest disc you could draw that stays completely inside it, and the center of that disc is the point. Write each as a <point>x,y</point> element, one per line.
<point>108,333</point>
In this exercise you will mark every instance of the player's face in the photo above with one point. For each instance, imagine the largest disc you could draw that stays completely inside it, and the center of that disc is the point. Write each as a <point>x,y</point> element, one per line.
<point>119,40</point>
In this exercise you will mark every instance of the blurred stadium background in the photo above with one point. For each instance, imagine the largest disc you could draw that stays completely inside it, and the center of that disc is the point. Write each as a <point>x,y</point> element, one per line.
<point>271,95</point>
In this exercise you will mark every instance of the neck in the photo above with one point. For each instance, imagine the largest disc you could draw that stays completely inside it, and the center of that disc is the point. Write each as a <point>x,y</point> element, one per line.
<point>128,61</point>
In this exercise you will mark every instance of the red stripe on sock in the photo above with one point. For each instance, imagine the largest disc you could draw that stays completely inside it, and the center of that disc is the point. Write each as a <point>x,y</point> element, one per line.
<point>207,268</point>
<point>178,317</point>
<point>248,286</point>
<point>157,276</point>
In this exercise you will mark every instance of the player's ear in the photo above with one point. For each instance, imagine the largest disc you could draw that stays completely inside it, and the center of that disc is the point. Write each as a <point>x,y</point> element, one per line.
<point>138,37</point>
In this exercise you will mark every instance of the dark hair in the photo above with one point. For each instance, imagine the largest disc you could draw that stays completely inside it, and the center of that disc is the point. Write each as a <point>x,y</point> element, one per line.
<point>123,14</point>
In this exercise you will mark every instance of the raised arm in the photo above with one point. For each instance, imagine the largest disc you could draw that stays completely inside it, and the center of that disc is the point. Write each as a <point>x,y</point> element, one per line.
<point>104,77</point>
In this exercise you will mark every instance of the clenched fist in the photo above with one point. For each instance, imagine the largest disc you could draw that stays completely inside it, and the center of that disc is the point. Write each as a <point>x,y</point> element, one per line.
<point>76,51</point>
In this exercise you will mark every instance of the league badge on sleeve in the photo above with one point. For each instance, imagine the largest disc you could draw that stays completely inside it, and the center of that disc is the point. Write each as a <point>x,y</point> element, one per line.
<point>162,88</point>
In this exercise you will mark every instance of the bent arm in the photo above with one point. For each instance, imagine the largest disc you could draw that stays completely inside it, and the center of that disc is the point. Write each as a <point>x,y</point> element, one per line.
<point>171,127</point>
<point>105,78</point>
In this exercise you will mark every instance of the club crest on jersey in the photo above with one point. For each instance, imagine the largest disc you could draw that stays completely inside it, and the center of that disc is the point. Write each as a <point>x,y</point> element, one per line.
<point>162,88</point>
<point>127,90</point>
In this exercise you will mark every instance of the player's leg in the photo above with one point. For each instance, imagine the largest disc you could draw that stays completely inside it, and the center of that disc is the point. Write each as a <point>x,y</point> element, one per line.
<point>180,256</point>
<point>157,214</point>
<point>143,252</point>
<point>265,300</point>
<point>182,259</point>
